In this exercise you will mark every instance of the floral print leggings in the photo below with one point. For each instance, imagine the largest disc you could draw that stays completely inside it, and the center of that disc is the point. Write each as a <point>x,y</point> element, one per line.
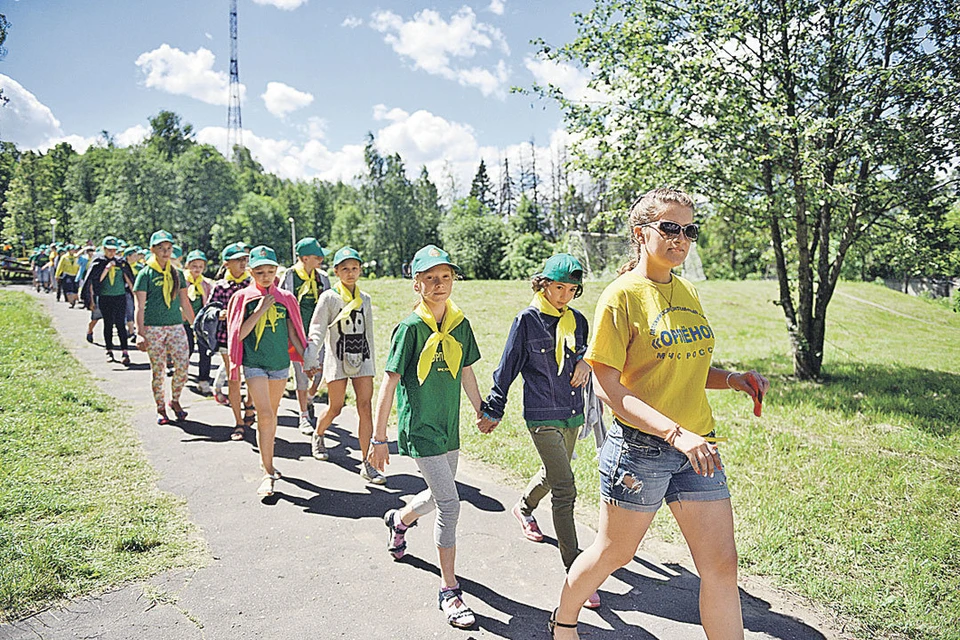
<point>163,342</point>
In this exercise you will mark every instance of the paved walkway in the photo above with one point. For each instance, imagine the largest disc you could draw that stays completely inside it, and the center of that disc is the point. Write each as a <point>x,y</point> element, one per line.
<point>312,563</point>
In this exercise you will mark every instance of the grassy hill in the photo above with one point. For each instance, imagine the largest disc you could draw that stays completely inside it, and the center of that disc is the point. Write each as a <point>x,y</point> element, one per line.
<point>847,491</point>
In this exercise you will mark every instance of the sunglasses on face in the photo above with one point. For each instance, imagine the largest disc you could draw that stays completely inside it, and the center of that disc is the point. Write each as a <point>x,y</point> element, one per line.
<point>673,229</point>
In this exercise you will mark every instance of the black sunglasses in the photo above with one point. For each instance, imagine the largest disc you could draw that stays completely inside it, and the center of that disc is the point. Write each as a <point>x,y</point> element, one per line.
<point>673,229</point>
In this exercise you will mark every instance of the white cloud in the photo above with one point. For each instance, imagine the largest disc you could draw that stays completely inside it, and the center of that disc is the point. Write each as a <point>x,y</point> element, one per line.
<point>351,22</point>
<point>282,99</point>
<point>433,44</point>
<point>496,6</point>
<point>25,120</point>
<point>131,136</point>
<point>208,35</point>
<point>573,82</point>
<point>316,128</point>
<point>186,73</point>
<point>286,5</point>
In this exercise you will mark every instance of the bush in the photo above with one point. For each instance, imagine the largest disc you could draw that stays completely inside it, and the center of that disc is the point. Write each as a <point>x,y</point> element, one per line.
<point>525,255</point>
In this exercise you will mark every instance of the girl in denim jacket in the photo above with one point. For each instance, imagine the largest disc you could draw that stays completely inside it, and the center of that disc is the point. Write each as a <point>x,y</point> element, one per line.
<point>546,346</point>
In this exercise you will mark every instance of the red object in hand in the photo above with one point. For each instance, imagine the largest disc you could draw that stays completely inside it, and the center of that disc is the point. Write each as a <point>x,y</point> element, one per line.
<point>757,396</point>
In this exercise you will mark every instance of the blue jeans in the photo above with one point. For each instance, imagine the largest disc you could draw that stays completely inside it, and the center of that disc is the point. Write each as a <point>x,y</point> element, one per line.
<point>638,471</point>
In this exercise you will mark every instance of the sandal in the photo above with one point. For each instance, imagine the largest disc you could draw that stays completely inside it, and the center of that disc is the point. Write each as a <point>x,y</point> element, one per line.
<point>553,624</point>
<point>220,398</point>
<point>249,415</point>
<point>125,360</point>
<point>460,617</point>
<point>178,411</point>
<point>238,433</point>
<point>162,418</point>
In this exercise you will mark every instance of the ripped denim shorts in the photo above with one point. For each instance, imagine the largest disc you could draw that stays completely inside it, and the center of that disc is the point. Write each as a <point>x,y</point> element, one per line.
<point>638,471</point>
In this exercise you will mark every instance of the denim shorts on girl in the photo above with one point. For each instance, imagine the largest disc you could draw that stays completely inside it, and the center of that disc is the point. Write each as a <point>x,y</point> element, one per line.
<point>638,471</point>
<point>257,372</point>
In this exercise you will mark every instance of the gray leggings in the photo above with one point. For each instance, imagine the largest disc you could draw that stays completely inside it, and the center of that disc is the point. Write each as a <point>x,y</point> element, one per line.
<point>440,494</point>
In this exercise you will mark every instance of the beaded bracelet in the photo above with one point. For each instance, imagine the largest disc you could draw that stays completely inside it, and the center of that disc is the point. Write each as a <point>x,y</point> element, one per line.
<point>375,442</point>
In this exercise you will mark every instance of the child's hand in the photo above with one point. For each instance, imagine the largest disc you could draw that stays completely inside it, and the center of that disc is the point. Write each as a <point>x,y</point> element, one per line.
<point>141,342</point>
<point>380,456</point>
<point>265,303</point>
<point>485,424</point>
<point>223,314</point>
<point>581,374</point>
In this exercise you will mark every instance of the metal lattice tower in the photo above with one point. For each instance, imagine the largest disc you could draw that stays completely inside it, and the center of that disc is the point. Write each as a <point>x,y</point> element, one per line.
<point>234,122</point>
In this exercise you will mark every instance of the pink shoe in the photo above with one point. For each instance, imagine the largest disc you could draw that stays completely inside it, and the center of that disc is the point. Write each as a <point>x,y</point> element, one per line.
<point>593,602</point>
<point>220,398</point>
<point>531,531</point>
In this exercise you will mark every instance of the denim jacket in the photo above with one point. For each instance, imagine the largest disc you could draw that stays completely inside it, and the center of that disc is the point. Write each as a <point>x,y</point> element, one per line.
<point>530,352</point>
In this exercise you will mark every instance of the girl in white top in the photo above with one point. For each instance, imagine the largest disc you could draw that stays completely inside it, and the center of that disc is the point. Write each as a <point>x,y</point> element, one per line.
<point>343,319</point>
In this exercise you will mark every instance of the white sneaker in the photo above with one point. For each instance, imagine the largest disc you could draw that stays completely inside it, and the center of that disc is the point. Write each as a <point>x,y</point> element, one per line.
<point>370,473</point>
<point>205,388</point>
<point>265,490</point>
<point>306,427</point>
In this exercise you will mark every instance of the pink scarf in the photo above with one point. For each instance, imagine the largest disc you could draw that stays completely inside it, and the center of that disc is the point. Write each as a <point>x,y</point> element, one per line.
<point>235,318</point>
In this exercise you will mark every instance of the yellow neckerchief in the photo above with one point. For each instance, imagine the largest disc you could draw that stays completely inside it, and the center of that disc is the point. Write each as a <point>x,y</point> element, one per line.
<point>167,274</point>
<point>452,351</point>
<point>272,316</point>
<point>239,280</point>
<point>111,273</point>
<point>309,283</point>
<point>566,327</point>
<point>196,289</point>
<point>350,302</point>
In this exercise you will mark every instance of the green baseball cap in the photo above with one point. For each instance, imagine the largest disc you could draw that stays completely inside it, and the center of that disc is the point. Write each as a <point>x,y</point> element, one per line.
<point>563,267</point>
<point>196,254</point>
<point>130,251</point>
<point>177,251</point>
<point>263,255</point>
<point>429,257</point>
<point>160,236</point>
<point>346,253</point>
<point>233,251</point>
<point>310,247</point>
<point>110,242</point>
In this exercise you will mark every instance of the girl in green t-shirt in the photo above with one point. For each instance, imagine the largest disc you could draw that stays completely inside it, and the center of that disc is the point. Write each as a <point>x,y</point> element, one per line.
<point>161,299</point>
<point>430,358</point>
<point>651,358</point>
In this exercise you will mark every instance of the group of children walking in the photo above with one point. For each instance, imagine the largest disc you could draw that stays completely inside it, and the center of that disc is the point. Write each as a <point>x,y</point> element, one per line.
<point>649,361</point>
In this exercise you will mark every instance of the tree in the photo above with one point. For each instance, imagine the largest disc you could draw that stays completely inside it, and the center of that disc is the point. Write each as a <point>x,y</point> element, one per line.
<point>168,137</point>
<point>482,188</point>
<point>474,239</point>
<point>206,192</point>
<point>816,119</point>
<point>4,25</point>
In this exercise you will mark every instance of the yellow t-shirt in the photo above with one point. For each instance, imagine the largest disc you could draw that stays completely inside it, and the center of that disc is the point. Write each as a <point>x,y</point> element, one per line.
<point>658,338</point>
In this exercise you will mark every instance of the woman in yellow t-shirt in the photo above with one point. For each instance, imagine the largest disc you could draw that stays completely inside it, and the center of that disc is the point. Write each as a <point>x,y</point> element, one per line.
<point>651,356</point>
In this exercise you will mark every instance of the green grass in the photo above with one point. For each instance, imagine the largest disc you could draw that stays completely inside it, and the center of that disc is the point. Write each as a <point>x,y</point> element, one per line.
<point>79,507</point>
<point>847,492</point>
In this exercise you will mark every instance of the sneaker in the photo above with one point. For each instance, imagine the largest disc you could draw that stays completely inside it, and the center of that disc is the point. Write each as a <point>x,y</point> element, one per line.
<point>397,543</point>
<point>371,474</point>
<point>125,360</point>
<point>110,356</point>
<point>220,398</point>
<point>205,387</point>
<point>593,602</point>
<point>317,449</point>
<point>306,427</point>
<point>531,530</point>
<point>90,338</point>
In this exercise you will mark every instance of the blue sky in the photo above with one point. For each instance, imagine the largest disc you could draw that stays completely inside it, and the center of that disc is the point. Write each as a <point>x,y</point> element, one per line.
<point>430,80</point>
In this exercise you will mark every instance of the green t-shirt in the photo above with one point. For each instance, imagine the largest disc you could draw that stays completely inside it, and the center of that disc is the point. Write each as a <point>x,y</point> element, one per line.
<point>428,416</point>
<point>115,289</point>
<point>156,313</point>
<point>308,302</point>
<point>272,354</point>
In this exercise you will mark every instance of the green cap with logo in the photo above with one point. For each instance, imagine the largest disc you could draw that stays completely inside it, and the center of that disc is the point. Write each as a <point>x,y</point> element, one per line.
<point>196,254</point>
<point>233,251</point>
<point>110,242</point>
<point>177,252</point>
<point>310,247</point>
<point>263,255</point>
<point>429,257</point>
<point>160,236</point>
<point>129,251</point>
<point>346,253</point>
<point>563,267</point>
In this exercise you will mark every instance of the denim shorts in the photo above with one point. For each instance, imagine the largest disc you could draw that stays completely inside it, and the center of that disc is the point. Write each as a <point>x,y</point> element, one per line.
<point>257,372</point>
<point>638,471</point>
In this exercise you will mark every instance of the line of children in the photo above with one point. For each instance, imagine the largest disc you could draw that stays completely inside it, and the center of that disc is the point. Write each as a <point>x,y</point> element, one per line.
<point>343,323</point>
